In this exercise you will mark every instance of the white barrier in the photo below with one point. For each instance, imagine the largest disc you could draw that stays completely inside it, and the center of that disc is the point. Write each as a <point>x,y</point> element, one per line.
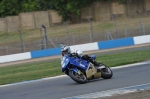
<point>15,57</point>
<point>82,47</point>
<point>86,47</point>
<point>141,39</point>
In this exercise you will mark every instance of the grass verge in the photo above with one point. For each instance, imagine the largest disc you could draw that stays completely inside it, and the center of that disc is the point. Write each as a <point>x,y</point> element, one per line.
<point>32,71</point>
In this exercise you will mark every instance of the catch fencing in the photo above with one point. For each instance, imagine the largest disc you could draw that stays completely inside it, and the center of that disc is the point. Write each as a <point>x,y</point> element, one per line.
<point>45,38</point>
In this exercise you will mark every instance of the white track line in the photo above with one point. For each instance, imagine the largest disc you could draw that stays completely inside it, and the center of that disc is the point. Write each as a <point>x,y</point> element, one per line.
<point>32,81</point>
<point>110,92</point>
<point>130,65</point>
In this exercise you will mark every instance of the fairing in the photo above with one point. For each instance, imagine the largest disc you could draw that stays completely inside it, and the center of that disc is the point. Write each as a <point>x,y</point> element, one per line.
<point>76,62</point>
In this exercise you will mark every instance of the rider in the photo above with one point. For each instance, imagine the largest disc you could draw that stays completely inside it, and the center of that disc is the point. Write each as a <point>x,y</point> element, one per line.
<point>67,50</point>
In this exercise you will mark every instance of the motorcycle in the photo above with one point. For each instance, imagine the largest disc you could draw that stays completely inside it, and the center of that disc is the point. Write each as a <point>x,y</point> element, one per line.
<point>82,71</point>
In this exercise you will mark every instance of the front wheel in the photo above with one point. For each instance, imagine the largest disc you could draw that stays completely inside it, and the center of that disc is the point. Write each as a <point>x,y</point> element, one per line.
<point>79,78</point>
<point>106,73</point>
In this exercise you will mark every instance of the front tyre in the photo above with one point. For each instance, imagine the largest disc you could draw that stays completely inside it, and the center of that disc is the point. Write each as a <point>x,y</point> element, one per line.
<point>79,78</point>
<point>106,73</point>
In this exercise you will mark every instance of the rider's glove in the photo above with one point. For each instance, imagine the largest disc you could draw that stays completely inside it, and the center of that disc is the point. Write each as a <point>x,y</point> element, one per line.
<point>74,55</point>
<point>77,55</point>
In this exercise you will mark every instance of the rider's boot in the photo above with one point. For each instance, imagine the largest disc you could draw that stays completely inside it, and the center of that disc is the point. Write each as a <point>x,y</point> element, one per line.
<point>98,65</point>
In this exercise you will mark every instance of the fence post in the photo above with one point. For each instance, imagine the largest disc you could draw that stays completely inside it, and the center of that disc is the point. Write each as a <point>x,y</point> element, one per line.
<point>115,26</point>
<point>21,41</point>
<point>140,23</point>
<point>24,47</point>
<point>67,32</point>
<point>45,37</point>
<point>91,28</point>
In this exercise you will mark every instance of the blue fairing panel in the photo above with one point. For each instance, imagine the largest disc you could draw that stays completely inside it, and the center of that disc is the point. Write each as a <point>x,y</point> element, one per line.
<point>79,63</point>
<point>115,43</point>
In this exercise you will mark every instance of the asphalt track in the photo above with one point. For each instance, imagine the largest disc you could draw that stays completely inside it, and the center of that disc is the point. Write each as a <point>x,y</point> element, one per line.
<point>62,87</point>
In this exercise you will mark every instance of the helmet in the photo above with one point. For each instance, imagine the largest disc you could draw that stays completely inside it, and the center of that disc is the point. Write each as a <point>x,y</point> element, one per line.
<point>65,49</point>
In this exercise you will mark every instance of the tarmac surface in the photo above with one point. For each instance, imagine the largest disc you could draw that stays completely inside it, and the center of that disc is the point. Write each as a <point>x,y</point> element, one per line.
<point>141,94</point>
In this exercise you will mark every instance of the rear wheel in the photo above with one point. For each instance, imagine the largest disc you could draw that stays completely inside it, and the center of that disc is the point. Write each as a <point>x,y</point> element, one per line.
<point>106,73</point>
<point>79,78</point>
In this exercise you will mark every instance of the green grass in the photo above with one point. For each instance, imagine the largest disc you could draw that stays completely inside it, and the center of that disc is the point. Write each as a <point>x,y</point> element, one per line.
<point>32,71</point>
<point>29,71</point>
<point>125,58</point>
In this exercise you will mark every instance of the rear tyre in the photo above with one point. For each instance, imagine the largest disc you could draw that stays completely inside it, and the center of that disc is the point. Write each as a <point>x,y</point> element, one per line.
<point>78,78</point>
<point>106,73</point>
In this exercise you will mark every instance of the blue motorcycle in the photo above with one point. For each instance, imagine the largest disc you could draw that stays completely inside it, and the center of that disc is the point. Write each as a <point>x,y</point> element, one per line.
<point>81,71</point>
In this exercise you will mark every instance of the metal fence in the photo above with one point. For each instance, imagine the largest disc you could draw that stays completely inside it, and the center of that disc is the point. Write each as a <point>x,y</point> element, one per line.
<point>44,38</point>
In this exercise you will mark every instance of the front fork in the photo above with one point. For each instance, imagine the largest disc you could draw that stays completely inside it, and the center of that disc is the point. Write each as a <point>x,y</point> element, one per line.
<point>76,70</point>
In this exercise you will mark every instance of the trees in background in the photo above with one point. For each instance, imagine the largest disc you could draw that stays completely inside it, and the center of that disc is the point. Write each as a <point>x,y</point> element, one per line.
<point>65,8</point>
<point>14,7</point>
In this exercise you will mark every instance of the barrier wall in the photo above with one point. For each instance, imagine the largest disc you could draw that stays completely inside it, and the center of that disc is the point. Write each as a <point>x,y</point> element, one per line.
<point>115,43</point>
<point>55,18</point>
<point>142,39</point>
<point>83,47</point>
<point>13,23</point>
<point>98,11</point>
<point>86,47</point>
<point>15,57</point>
<point>44,53</point>
<point>3,24</point>
<point>27,20</point>
<point>41,17</point>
